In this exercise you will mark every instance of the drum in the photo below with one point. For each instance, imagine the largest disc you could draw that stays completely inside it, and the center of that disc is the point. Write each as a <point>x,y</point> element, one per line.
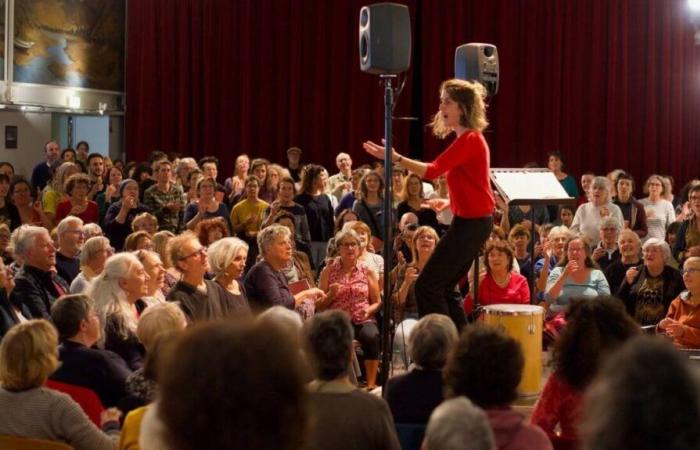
<point>524,324</point>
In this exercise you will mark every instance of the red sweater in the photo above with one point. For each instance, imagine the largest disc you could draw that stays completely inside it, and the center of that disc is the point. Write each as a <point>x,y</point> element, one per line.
<point>467,164</point>
<point>517,291</point>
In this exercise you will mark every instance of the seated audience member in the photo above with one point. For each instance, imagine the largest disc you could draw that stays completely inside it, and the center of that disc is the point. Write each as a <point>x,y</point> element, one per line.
<point>342,416</point>
<point>648,290</point>
<point>319,210</point>
<point>36,285</point>
<point>575,276</point>
<point>79,329</point>
<point>92,230</point>
<point>630,247</point>
<point>348,200</point>
<point>27,409</point>
<point>566,216</point>
<point>10,314</point>
<point>413,396</point>
<point>348,215</point>
<point>458,425</point>
<point>659,211</point>
<point>120,214</point>
<point>211,230</point>
<point>78,204</point>
<point>412,201</point>
<point>300,267</point>
<point>519,238</point>
<point>156,276</point>
<point>5,250</point>
<point>160,245</point>
<point>423,243</point>
<point>199,299</point>
<point>54,192</point>
<point>145,222</point>
<point>688,234</point>
<point>9,215</point>
<point>237,376</point>
<point>285,203</point>
<point>93,257</point>
<point>340,183</point>
<point>682,322</point>
<point>117,292</point>
<point>158,324</point>
<point>367,255</point>
<point>595,328</point>
<point>369,203</point>
<point>606,252</point>
<point>521,214</point>
<point>234,185</point>
<point>445,216</point>
<point>633,213</point>
<point>552,252</point>
<point>501,284</point>
<point>111,192</point>
<point>165,198</point>
<point>206,205</point>
<point>138,240</point>
<point>227,259</point>
<point>29,208</point>
<point>486,366</point>
<point>265,284</point>
<point>70,244</point>
<point>646,397</point>
<point>589,215</point>
<point>354,289</point>
<point>210,168</point>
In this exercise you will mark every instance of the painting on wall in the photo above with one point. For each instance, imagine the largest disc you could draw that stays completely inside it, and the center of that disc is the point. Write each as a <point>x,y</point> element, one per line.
<point>71,43</point>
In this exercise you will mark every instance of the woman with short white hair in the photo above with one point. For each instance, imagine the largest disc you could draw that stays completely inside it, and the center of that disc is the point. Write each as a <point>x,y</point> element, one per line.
<point>227,259</point>
<point>589,216</point>
<point>648,290</point>
<point>93,257</point>
<point>117,292</point>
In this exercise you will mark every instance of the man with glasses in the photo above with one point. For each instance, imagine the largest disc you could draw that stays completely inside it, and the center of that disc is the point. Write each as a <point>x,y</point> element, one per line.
<point>70,242</point>
<point>688,236</point>
<point>198,298</point>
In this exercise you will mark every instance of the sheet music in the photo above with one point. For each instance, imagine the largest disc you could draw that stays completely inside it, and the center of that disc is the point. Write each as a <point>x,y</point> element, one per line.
<point>528,184</point>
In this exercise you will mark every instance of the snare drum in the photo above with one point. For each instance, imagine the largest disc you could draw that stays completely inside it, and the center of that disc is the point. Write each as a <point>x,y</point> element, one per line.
<point>524,324</point>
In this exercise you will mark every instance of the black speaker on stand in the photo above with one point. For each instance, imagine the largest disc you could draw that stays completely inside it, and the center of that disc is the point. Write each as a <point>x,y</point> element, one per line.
<point>478,62</point>
<point>385,50</point>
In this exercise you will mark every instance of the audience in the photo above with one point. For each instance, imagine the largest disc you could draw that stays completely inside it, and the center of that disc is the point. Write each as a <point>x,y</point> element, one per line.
<point>501,284</point>
<point>227,259</point>
<point>646,397</point>
<point>486,366</point>
<point>79,329</point>
<point>659,211</point>
<point>589,215</point>
<point>595,328</point>
<point>682,323</point>
<point>93,257</point>
<point>630,246</point>
<point>342,416</point>
<point>27,357</point>
<point>70,244</point>
<point>606,252</point>
<point>458,425</point>
<point>413,396</point>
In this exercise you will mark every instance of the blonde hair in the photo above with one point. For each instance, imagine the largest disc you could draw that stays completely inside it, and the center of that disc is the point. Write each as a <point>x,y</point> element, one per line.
<point>28,355</point>
<point>471,99</point>
<point>157,320</point>
<point>141,219</point>
<point>161,242</point>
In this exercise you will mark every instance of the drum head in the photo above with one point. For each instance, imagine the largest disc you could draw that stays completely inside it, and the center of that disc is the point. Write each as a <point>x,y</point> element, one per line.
<point>513,310</point>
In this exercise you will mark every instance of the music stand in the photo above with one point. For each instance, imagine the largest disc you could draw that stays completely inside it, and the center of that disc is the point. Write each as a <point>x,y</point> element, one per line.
<point>531,187</point>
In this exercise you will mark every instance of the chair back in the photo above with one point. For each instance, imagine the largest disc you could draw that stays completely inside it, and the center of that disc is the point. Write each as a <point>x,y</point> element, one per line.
<point>22,443</point>
<point>86,398</point>
<point>410,435</point>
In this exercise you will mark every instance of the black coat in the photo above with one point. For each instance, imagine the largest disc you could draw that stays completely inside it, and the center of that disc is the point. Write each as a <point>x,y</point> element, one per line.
<point>36,290</point>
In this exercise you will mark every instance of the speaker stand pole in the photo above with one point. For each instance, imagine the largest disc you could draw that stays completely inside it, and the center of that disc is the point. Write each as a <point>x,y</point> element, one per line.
<point>388,238</point>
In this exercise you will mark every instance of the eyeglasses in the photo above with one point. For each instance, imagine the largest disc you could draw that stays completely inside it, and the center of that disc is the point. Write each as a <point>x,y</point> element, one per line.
<point>77,232</point>
<point>689,270</point>
<point>349,245</point>
<point>201,251</point>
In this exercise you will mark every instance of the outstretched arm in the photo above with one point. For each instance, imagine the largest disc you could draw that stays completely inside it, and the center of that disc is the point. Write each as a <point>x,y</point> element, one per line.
<point>409,164</point>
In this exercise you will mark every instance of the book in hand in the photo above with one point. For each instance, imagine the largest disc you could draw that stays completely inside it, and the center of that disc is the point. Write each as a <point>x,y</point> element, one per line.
<point>299,286</point>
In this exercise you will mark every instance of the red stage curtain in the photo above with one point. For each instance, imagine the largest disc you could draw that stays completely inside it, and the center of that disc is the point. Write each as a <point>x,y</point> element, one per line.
<point>608,83</point>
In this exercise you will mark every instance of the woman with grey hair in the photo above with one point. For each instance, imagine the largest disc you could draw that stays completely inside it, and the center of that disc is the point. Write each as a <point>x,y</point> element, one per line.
<point>93,257</point>
<point>227,259</point>
<point>117,292</point>
<point>458,425</point>
<point>413,395</point>
<point>607,252</point>
<point>265,284</point>
<point>589,216</point>
<point>648,290</point>
<point>660,212</point>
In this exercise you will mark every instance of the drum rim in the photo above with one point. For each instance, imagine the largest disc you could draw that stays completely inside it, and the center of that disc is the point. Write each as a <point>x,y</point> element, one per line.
<point>499,312</point>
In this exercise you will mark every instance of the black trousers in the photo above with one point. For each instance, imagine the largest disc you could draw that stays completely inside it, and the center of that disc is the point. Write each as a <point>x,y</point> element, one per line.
<point>452,258</point>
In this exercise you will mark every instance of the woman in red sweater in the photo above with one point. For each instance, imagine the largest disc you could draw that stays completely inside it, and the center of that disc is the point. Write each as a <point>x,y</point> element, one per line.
<point>466,164</point>
<point>501,284</point>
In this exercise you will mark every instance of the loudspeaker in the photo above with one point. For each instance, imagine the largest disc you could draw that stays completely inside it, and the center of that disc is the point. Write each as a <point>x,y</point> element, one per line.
<point>385,38</point>
<point>478,62</point>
